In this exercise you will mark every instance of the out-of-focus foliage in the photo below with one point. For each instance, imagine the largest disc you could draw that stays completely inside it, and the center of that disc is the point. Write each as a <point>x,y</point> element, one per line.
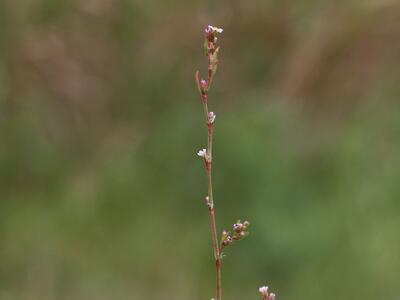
<point>101,193</point>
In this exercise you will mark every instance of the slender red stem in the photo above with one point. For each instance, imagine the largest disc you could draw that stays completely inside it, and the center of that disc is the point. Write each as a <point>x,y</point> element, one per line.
<point>216,253</point>
<point>208,161</point>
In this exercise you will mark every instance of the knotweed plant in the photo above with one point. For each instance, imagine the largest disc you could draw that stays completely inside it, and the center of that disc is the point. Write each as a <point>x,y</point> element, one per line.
<point>239,229</point>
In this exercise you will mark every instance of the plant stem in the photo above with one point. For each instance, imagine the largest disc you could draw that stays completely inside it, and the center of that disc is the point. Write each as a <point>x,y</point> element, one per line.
<point>217,256</point>
<point>216,253</point>
<point>203,87</point>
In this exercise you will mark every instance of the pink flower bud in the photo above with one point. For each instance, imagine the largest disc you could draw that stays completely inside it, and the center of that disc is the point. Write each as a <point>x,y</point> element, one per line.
<point>238,227</point>
<point>271,296</point>
<point>263,291</point>
<point>228,240</point>
<point>211,117</point>
<point>210,32</point>
<point>203,84</point>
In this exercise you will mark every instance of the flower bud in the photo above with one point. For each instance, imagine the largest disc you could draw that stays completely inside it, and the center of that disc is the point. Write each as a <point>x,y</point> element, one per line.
<point>203,85</point>
<point>263,291</point>
<point>271,296</point>
<point>227,241</point>
<point>238,227</point>
<point>202,153</point>
<point>214,29</point>
<point>210,32</point>
<point>211,117</point>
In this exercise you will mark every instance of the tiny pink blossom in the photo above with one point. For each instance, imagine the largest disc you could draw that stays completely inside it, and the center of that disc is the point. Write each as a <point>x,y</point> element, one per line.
<point>271,296</point>
<point>203,84</point>
<point>263,290</point>
<point>211,117</point>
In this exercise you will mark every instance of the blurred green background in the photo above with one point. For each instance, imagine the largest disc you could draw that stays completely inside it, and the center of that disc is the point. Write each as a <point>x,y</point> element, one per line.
<point>101,192</point>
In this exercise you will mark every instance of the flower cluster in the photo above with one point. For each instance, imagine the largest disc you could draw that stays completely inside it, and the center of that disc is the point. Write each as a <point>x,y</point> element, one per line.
<point>211,32</point>
<point>211,50</point>
<point>239,231</point>
<point>264,293</point>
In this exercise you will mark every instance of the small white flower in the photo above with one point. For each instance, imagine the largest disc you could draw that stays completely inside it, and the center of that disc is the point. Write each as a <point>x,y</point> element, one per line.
<point>215,29</point>
<point>263,290</point>
<point>202,153</point>
<point>209,202</point>
<point>211,117</point>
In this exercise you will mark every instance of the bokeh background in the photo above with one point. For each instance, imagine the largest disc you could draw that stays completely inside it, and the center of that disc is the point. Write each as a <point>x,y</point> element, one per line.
<point>101,192</point>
